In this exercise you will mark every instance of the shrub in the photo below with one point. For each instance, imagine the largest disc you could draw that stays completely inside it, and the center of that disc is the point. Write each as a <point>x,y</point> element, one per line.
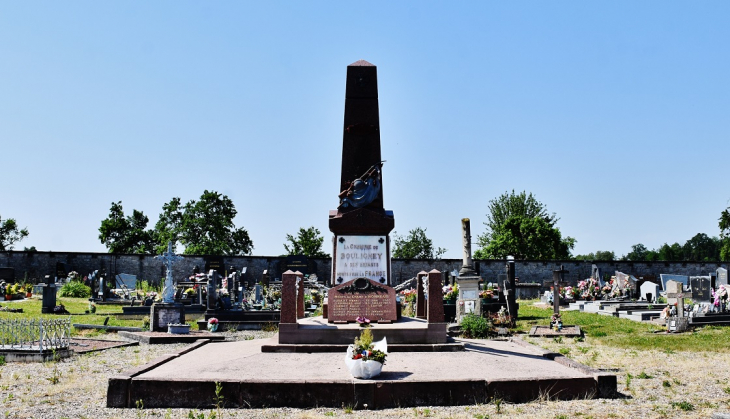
<point>475,326</point>
<point>75,289</point>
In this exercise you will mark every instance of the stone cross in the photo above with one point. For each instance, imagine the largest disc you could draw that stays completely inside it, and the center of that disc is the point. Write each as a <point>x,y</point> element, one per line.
<point>675,295</point>
<point>556,283</point>
<point>168,258</point>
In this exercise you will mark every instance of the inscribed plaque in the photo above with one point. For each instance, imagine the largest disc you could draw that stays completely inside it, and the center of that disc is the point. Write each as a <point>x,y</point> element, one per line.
<point>362,297</point>
<point>361,257</point>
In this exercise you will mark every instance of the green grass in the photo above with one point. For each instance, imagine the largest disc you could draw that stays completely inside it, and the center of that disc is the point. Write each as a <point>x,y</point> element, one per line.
<point>623,333</point>
<point>75,306</point>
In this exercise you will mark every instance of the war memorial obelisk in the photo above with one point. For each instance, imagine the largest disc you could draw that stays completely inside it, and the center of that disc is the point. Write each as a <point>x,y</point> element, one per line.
<point>361,247</point>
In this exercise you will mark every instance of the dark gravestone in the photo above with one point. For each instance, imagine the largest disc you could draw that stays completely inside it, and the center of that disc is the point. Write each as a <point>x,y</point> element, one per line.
<point>700,286</point>
<point>216,263</point>
<point>49,298</point>
<point>362,297</point>
<point>61,271</point>
<point>296,263</point>
<point>7,274</point>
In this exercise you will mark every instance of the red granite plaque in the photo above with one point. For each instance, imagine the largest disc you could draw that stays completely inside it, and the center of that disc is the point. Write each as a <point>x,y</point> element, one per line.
<point>361,297</point>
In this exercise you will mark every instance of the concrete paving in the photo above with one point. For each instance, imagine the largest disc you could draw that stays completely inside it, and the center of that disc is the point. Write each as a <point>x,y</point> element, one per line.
<point>511,370</point>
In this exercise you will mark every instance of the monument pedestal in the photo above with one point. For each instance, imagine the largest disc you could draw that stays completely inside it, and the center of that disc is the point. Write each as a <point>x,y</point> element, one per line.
<point>469,301</point>
<point>162,314</point>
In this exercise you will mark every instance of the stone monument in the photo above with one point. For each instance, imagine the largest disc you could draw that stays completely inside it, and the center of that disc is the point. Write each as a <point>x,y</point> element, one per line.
<point>167,311</point>
<point>468,280</point>
<point>361,247</point>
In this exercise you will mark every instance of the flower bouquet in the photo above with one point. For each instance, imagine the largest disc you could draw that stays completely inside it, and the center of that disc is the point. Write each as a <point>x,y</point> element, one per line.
<point>212,324</point>
<point>556,322</point>
<point>364,358</point>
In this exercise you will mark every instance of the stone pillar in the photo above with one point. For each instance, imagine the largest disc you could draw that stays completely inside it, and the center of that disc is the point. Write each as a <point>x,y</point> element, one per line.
<point>436,301</point>
<point>289,297</point>
<point>510,288</point>
<point>420,297</point>
<point>300,294</point>
<point>467,268</point>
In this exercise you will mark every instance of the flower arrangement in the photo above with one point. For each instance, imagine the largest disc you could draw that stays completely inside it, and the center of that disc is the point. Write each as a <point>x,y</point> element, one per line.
<point>556,322</point>
<point>153,296</point>
<point>365,358</point>
<point>189,292</point>
<point>720,296</point>
<point>589,289</point>
<point>212,324</point>
<point>363,321</point>
<point>567,292</point>
<point>409,295</point>
<point>222,292</point>
<point>486,294</point>
<point>501,318</point>
<point>451,292</point>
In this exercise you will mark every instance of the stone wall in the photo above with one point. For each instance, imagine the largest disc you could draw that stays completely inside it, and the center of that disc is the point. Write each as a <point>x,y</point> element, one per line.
<point>35,265</point>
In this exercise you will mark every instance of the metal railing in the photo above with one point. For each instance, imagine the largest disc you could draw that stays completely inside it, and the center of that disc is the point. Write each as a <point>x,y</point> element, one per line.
<point>35,334</point>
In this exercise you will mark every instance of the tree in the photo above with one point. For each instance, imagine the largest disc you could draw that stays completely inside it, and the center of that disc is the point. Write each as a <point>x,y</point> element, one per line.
<point>203,227</point>
<point>519,225</point>
<point>415,246</point>
<point>308,243</point>
<point>673,252</point>
<point>599,255</point>
<point>122,234</point>
<point>701,247</point>
<point>724,225</point>
<point>638,253</point>
<point>10,234</point>
<point>526,238</point>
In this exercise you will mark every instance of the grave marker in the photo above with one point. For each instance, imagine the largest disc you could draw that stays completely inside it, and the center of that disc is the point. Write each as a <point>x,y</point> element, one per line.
<point>700,287</point>
<point>557,282</point>
<point>721,277</point>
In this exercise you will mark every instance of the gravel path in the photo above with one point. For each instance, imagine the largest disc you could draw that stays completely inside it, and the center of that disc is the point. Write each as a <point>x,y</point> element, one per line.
<point>661,385</point>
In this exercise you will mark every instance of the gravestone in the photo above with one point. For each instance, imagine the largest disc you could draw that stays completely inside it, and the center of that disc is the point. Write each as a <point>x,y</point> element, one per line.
<point>361,247</point>
<point>684,279</point>
<point>700,287</point>
<point>421,294</point>
<point>721,277</point>
<point>676,296</point>
<point>215,262</point>
<point>7,275</point>
<point>649,291</point>
<point>167,311</point>
<point>295,263</point>
<point>510,289</point>
<point>213,278</point>
<point>596,274</point>
<point>258,294</point>
<point>61,271</point>
<point>468,280</point>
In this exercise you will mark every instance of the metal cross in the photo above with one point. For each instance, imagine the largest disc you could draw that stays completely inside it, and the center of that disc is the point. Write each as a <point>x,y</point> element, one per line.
<point>168,258</point>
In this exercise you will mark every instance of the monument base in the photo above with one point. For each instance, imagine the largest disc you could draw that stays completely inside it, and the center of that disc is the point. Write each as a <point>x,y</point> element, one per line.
<point>316,331</point>
<point>162,314</point>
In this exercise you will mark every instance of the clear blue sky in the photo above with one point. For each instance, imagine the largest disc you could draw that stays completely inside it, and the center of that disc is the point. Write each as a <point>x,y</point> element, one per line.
<point>614,114</point>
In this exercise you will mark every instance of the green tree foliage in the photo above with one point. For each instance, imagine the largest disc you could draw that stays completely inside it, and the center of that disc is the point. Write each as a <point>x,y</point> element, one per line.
<point>415,246</point>
<point>519,225</point>
<point>308,243</point>
<point>599,255</point>
<point>701,247</point>
<point>724,225</point>
<point>128,234</point>
<point>10,234</point>
<point>203,227</point>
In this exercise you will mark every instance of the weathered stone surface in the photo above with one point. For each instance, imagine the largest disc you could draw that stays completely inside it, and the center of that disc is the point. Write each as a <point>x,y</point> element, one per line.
<point>362,297</point>
<point>289,297</point>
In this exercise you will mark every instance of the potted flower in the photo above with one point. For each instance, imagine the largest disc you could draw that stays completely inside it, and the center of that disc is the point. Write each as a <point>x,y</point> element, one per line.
<point>364,358</point>
<point>451,293</point>
<point>212,324</point>
<point>178,328</point>
<point>363,321</point>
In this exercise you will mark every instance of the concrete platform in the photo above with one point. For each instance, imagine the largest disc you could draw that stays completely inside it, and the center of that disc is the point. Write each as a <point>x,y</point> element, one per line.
<point>547,331</point>
<point>512,370</point>
<point>155,338</point>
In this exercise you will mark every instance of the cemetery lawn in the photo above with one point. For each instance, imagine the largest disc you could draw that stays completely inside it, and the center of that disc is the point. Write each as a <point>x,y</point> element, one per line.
<point>623,333</point>
<point>76,307</point>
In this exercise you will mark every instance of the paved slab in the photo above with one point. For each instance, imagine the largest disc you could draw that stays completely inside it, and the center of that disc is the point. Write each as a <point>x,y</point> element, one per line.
<point>512,370</point>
